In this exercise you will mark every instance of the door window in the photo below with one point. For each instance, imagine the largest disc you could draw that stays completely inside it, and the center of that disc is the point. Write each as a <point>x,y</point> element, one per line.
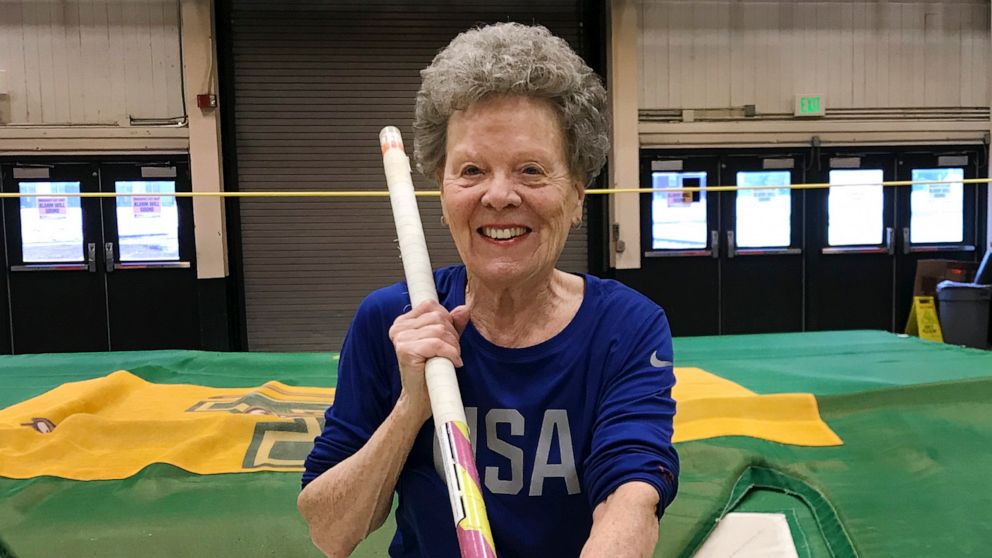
<point>764,217</point>
<point>51,225</point>
<point>678,219</point>
<point>855,213</point>
<point>937,210</point>
<point>147,226</point>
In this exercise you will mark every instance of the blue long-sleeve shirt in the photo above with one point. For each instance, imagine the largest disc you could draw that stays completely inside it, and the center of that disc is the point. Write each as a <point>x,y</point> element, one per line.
<point>557,427</point>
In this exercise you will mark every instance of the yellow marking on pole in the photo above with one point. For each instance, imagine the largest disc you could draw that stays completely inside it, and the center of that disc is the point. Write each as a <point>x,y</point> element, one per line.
<point>475,507</point>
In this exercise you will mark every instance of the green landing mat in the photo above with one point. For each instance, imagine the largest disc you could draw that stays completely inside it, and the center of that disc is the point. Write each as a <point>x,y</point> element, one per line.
<point>910,479</point>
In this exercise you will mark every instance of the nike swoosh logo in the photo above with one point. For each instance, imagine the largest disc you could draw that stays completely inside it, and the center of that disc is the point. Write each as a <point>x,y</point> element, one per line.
<point>659,363</point>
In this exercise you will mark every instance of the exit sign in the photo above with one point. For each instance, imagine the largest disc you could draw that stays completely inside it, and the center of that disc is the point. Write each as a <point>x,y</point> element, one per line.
<point>810,105</point>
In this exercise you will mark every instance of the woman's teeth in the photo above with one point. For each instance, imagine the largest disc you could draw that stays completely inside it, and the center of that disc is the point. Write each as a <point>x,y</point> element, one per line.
<point>503,234</point>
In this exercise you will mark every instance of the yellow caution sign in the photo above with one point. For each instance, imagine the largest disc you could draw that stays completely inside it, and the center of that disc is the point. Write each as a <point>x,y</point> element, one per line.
<point>923,321</point>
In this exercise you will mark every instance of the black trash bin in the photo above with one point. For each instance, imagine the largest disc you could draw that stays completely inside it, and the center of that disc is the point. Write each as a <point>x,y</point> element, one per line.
<point>964,313</point>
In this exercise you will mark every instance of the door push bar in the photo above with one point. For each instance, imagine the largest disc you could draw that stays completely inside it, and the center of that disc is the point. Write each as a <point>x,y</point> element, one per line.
<point>108,256</point>
<point>91,257</point>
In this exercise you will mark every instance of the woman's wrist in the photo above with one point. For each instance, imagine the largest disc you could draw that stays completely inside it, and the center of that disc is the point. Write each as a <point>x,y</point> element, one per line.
<point>408,409</point>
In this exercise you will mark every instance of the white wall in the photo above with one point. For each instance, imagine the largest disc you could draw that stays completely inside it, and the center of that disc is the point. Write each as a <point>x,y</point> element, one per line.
<point>76,71</point>
<point>205,160</point>
<point>624,168</point>
<point>90,61</point>
<point>858,53</point>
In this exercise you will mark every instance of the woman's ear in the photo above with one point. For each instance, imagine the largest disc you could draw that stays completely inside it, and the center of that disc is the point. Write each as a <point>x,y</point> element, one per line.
<point>444,214</point>
<point>580,190</point>
<point>444,208</point>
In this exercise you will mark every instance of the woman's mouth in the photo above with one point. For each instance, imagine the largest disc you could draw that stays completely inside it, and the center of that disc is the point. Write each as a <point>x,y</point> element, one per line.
<point>503,233</point>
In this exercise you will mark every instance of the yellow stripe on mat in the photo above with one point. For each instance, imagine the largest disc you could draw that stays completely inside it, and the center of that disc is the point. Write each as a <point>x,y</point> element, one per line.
<point>710,406</point>
<point>114,426</point>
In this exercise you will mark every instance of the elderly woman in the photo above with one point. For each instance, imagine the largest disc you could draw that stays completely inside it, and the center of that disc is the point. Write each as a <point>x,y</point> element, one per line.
<point>566,378</point>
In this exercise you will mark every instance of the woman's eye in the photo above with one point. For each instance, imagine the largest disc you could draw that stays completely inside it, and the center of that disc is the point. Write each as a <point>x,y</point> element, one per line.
<point>471,170</point>
<point>532,170</point>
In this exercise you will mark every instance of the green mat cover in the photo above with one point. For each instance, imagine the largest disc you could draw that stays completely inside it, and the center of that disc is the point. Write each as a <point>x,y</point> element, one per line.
<point>910,479</point>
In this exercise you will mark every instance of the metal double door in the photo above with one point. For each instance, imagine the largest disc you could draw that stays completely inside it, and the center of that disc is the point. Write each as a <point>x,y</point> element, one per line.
<point>97,274</point>
<point>867,239</point>
<point>776,259</point>
<point>722,262</point>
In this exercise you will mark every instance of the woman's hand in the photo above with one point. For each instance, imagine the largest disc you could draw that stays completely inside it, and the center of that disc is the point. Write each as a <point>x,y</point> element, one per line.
<point>425,332</point>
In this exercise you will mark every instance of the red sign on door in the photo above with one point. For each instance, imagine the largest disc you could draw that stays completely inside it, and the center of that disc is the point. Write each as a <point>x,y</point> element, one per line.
<point>147,206</point>
<point>679,199</point>
<point>52,208</point>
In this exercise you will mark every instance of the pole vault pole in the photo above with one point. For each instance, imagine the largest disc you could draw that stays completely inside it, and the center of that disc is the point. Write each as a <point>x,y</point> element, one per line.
<point>475,538</point>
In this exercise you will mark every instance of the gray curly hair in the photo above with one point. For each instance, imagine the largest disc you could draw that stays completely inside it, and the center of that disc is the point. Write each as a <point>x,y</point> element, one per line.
<point>513,59</point>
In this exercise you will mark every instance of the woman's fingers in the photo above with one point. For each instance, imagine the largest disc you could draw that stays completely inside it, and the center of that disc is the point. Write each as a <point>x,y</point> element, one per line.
<point>443,332</point>
<point>426,307</point>
<point>424,314</point>
<point>427,322</point>
<point>428,331</point>
<point>419,351</point>
<point>425,332</point>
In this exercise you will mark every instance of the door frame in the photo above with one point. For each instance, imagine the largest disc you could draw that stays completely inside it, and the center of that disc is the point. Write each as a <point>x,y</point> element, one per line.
<point>763,300</point>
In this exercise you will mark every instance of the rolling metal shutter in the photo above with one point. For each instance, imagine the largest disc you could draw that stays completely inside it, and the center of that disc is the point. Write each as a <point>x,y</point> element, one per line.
<point>314,83</point>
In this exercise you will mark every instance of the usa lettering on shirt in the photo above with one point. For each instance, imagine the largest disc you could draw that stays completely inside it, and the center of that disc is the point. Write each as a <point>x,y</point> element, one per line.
<point>554,425</point>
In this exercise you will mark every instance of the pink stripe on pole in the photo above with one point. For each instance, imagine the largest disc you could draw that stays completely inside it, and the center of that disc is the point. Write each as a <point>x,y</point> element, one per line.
<point>473,544</point>
<point>475,538</point>
<point>463,452</point>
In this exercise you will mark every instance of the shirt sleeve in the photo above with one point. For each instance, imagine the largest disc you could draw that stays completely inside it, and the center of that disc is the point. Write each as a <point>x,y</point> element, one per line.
<point>363,397</point>
<point>632,432</point>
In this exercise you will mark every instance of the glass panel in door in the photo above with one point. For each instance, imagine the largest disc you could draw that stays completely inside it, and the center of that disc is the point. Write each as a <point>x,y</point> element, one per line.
<point>147,226</point>
<point>678,219</point>
<point>937,210</point>
<point>51,225</point>
<point>855,207</point>
<point>764,216</point>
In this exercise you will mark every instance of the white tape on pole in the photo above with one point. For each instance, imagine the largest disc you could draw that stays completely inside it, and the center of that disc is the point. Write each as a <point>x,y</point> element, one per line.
<point>442,384</point>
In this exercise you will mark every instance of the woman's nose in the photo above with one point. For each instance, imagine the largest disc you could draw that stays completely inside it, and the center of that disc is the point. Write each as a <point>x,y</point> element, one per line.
<point>501,192</point>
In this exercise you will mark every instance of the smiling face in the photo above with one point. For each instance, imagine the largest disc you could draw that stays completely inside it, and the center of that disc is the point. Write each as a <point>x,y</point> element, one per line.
<point>506,189</point>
